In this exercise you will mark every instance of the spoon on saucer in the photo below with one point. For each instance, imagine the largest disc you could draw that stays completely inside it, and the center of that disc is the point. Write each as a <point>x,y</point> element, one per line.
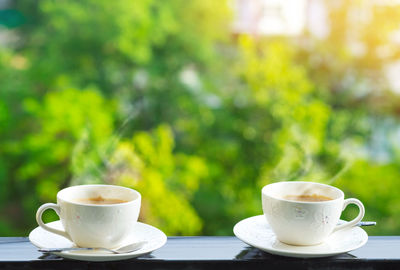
<point>361,223</point>
<point>366,223</point>
<point>122,250</point>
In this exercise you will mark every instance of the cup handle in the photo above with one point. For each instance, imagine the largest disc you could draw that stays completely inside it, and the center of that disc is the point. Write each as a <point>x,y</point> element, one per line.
<point>39,220</point>
<point>354,221</point>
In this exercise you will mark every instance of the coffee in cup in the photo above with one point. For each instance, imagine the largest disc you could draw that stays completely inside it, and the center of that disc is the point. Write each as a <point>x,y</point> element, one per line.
<point>305,213</point>
<point>95,215</point>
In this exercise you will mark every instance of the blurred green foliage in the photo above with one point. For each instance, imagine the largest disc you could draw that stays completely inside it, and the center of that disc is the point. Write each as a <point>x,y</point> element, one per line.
<point>162,97</point>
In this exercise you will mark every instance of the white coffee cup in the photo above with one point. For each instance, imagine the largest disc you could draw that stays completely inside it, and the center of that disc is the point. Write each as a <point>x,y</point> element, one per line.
<point>94,225</point>
<point>305,223</point>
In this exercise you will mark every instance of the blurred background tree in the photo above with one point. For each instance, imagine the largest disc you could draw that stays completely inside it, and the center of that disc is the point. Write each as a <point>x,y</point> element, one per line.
<point>184,103</point>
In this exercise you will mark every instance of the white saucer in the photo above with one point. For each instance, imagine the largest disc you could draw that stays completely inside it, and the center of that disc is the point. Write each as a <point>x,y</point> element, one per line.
<point>141,232</point>
<point>255,231</point>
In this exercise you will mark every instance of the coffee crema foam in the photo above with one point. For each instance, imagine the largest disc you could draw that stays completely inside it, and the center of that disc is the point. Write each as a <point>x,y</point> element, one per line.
<point>308,198</point>
<point>100,200</point>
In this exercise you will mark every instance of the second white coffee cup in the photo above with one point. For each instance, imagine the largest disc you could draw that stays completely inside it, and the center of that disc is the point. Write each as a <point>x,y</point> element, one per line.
<point>87,222</point>
<point>305,222</point>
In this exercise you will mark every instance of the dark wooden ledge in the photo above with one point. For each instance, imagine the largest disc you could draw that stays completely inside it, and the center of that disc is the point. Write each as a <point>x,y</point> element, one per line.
<point>380,252</point>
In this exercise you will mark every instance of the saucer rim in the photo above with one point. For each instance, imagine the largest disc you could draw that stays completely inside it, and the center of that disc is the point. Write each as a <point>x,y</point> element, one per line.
<point>93,256</point>
<point>298,254</point>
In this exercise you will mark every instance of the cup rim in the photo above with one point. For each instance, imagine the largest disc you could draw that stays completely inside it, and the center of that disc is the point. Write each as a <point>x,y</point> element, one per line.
<point>67,189</point>
<point>264,192</point>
